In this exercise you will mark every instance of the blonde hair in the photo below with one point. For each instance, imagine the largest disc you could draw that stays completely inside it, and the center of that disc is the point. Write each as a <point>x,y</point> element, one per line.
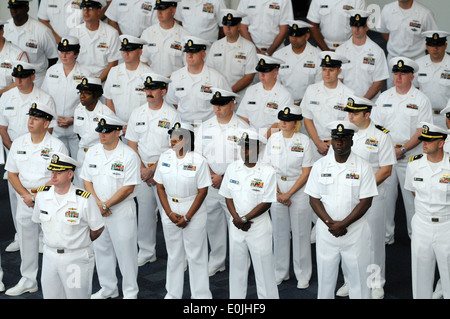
<point>298,126</point>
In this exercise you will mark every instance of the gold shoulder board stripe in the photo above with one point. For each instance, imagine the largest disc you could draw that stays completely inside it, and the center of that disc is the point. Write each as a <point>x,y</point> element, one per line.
<point>415,157</point>
<point>382,129</point>
<point>43,188</point>
<point>83,193</point>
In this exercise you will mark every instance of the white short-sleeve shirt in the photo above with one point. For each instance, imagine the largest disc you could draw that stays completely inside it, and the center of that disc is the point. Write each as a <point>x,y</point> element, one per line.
<point>264,18</point>
<point>333,20</point>
<point>405,28</point>
<point>249,187</point>
<point>8,55</point>
<point>62,15</point>
<point>182,177</point>
<point>432,188</point>
<point>299,70</point>
<point>340,187</point>
<point>150,128</point>
<point>67,224</point>
<point>132,16</point>
<point>31,160</point>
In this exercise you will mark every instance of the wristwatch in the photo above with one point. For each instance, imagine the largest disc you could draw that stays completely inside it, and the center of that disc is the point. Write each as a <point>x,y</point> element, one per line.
<point>104,206</point>
<point>244,219</point>
<point>403,150</point>
<point>186,220</point>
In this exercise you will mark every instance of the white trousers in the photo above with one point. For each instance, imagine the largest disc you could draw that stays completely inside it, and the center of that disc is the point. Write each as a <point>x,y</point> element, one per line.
<point>28,236</point>
<point>376,218</point>
<point>430,243</point>
<point>148,203</point>
<point>258,242</point>
<point>68,275</point>
<point>217,228</point>
<point>293,221</point>
<point>391,184</point>
<point>186,244</point>
<point>352,250</point>
<point>118,244</point>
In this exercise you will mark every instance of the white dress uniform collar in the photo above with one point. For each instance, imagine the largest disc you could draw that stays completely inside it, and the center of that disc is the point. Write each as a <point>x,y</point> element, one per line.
<point>118,152</point>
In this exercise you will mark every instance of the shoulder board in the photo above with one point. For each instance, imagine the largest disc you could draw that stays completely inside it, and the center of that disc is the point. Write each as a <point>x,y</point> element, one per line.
<point>82,193</point>
<point>382,129</point>
<point>43,188</point>
<point>415,157</point>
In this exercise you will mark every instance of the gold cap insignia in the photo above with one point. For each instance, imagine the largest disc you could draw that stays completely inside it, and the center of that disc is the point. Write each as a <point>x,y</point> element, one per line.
<point>19,68</point>
<point>262,62</point>
<point>65,42</point>
<point>245,136</point>
<point>55,159</point>
<point>102,122</point>
<point>400,63</point>
<point>125,41</point>
<point>287,110</point>
<point>218,95</point>
<point>229,16</point>
<point>295,27</point>
<point>327,58</point>
<point>425,129</point>
<point>177,125</point>
<point>340,128</point>
<point>435,36</point>
<point>84,82</point>
<point>149,79</point>
<point>34,105</point>
<point>350,102</point>
<point>189,43</point>
<point>357,17</point>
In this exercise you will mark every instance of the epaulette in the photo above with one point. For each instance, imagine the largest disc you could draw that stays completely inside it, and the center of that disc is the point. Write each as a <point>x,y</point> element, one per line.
<point>43,188</point>
<point>382,129</point>
<point>415,157</point>
<point>82,193</point>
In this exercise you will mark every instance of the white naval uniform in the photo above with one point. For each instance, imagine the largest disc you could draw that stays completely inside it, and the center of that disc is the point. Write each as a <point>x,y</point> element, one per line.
<point>149,129</point>
<point>401,115</point>
<point>433,79</point>
<point>63,90</point>
<point>340,187</point>
<point>264,18</point>
<point>218,144</point>
<point>430,239</point>
<point>8,55</point>
<point>100,49</point>
<point>405,28</point>
<point>14,107</point>
<point>261,106</point>
<point>84,124</point>
<point>2,161</point>
<point>299,70</point>
<point>447,145</point>
<point>323,105</point>
<point>126,89</point>
<point>164,49</point>
<point>202,18</point>
<point>182,178</point>
<point>62,15</point>
<point>118,242</point>
<point>132,16</point>
<point>249,187</point>
<point>66,221</point>
<point>30,161</point>
<point>333,19</point>
<point>367,65</point>
<point>192,93</point>
<point>234,60</point>
<point>37,40</point>
<point>374,144</point>
<point>288,156</point>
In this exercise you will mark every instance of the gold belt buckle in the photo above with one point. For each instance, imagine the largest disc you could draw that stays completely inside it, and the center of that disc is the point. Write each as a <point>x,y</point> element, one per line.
<point>283,178</point>
<point>174,199</point>
<point>85,149</point>
<point>436,111</point>
<point>150,164</point>
<point>336,45</point>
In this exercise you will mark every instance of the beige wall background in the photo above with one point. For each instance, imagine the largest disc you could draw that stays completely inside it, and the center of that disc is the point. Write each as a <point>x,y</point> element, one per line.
<point>441,9</point>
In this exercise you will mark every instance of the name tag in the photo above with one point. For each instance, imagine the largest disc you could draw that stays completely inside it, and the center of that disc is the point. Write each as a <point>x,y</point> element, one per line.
<point>418,179</point>
<point>325,175</point>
